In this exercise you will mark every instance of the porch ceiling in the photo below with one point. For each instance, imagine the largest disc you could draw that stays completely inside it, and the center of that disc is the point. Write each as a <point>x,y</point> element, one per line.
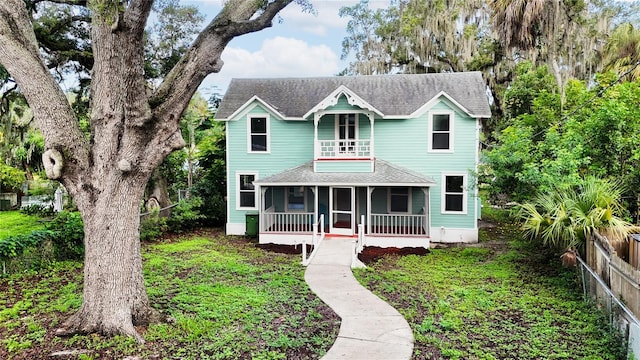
<point>385,173</point>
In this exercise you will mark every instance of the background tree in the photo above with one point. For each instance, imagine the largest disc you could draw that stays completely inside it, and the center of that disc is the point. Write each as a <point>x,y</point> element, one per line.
<point>133,128</point>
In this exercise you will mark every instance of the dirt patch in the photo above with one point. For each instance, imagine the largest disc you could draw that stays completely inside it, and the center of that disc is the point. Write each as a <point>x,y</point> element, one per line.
<point>372,254</point>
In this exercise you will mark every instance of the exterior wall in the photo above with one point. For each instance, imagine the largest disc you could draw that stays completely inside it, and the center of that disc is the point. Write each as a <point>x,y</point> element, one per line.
<point>287,142</point>
<point>404,142</point>
<point>413,134</point>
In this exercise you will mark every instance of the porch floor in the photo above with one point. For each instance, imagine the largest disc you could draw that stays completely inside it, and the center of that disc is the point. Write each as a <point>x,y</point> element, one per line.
<point>383,230</point>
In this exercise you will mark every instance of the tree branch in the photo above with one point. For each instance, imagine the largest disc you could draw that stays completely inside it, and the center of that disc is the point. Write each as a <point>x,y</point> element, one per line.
<point>203,57</point>
<point>20,56</point>
<point>136,15</point>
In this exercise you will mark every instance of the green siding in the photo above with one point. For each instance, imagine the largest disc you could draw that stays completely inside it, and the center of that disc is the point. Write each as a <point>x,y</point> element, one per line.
<point>403,142</point>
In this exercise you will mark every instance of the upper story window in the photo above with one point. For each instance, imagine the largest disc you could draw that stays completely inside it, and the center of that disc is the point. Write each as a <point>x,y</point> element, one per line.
<point>441,132</point>
<point>346,133</point>
<point>258,131</point>
<point>399,200</point>
<point>246,191</point>
<point>454,193</point>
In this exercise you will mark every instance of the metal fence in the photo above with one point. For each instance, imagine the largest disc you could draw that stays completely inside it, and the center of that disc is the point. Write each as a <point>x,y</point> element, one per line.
<point>620,318</point>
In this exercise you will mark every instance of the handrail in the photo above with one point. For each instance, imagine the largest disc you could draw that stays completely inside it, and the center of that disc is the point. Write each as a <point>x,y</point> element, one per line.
<point>344,148</point>
<point>316,239</point>
<point>358,245</point>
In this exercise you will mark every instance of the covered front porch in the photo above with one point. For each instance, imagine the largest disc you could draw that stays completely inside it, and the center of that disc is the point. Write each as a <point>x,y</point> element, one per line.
<point>383,210</point>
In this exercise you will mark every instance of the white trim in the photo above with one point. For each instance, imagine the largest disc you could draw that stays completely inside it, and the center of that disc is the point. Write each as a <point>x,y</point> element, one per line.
<point>245,108</point>
<point>399,242</point>
<point>267,117</point>
<point>352,99</point>
<point>409,202</point>
<point>430,131</point>
<point>255,190</point>
<point>465,193</point>
<point>453,235</point>
<point>434,100</point>
<point>236,228</point>
<point>228,167</point>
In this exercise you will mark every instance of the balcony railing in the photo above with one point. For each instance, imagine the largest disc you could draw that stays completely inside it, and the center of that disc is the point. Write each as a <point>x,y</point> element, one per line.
<point>336,149</point>
<point>398,225</point>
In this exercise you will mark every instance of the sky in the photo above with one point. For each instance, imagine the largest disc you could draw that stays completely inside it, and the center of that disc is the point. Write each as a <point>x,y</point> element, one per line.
<point>300,45</point>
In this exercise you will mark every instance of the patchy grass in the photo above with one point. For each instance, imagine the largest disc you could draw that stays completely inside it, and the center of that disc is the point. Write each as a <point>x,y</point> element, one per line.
<point>15,223</point>
<point>229,298</point>
<point>505,299</point>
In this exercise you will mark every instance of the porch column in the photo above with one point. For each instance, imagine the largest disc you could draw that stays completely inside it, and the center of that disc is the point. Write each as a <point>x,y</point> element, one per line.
<point>316,143</point>
<point>316,216</point>
<point>371,141</point>
<point>261,202</point>
<point>427,210</point>
<point>369,200</point>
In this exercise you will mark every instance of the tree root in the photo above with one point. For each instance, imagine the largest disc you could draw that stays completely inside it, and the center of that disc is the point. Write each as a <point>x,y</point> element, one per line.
<point>84,323</point>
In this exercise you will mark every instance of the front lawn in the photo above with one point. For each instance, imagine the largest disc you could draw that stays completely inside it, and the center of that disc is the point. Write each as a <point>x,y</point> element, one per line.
<point>229,298</point>
<point>505,299</point>
<point>14,223</point>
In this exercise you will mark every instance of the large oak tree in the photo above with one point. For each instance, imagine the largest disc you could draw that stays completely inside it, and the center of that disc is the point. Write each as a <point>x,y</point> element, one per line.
<point>134,126</point>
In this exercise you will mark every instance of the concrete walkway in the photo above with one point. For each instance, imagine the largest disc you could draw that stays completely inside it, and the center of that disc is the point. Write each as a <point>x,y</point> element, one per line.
<point>371,329</point>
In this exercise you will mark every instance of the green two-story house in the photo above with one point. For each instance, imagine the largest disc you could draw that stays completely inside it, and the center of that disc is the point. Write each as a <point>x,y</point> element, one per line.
<point>395,154</point>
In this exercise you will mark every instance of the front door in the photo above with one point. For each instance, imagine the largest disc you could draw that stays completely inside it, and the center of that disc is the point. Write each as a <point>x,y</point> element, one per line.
<point>341,200</point>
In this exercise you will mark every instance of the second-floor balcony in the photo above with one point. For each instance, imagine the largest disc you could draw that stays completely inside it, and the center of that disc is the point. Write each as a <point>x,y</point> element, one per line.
<point>344,149</point>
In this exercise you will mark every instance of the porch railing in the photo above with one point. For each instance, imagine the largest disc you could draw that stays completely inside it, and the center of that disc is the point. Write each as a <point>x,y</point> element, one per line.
<point>397,224</point>
<point>344,148</point>
<point>288,222</point>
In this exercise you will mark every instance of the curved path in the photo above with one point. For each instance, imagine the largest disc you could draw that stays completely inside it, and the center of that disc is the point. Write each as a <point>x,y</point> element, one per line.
<point>371,328</point>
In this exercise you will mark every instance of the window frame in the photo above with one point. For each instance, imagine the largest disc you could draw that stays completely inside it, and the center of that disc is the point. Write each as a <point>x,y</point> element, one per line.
<point>267,133</point>
<point>431,131</point>
<point>356,133</point>
<point>409,202</point>
<point>239,190</point>
<point>464,193</point>
<point>304,199</point>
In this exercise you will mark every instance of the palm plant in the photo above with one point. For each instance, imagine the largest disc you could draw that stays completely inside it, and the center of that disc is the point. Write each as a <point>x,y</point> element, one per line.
<point>566,216</point>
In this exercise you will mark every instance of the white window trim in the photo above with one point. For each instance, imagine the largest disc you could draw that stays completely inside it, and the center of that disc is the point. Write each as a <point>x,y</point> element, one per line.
<point>268,133</point>
<point>443,193</point>
<point>451,131</point>
<point>255,190</point>
<point>409,202</point>
<point>337,124</point>
<point>286,200</point>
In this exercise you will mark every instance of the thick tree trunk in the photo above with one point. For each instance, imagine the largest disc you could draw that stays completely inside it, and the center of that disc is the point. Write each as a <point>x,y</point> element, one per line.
<point>114,296</point>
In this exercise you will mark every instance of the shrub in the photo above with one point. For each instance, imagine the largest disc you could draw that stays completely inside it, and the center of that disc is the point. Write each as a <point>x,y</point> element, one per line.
<point>38,210</point>
<point>152,226</point>
<point>67,235</point>
<point>185,216</point>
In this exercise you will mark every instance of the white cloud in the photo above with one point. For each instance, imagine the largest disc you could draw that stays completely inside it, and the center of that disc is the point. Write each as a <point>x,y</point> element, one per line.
<point>277,57</point>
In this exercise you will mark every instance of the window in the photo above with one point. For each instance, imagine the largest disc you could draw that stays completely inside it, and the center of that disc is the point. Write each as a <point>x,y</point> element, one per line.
<point>295,198</point>
<point>259,134</point>
<point>346,133</point>
<point>246,191</point>
<point>441,132</point>
<point>454,194</point>
<point>399,200</point>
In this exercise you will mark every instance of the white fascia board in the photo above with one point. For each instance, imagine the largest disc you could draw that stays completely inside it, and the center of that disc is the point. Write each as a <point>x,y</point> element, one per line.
<point>429,104</point>
<point>253,102</point>
<point>338,184</point>
<point>352,98</point>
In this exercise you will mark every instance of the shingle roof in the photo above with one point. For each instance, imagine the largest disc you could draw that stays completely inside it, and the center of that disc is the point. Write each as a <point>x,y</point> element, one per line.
<point>399,94</point>
<point>384,173</point>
